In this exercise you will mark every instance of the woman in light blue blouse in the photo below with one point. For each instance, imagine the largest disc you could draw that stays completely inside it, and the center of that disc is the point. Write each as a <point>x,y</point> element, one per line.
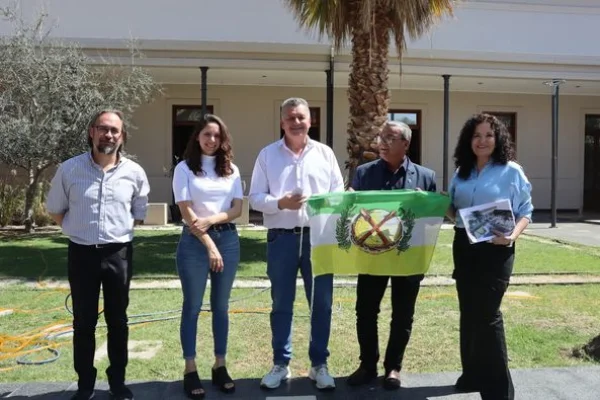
<point>485,173</point>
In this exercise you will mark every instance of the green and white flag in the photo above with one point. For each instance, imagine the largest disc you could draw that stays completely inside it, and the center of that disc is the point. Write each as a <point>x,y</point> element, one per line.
<point>387,232</point>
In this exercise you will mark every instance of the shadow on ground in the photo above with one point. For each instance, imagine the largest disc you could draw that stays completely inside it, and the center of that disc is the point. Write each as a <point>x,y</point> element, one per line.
<point>44,256</point>
<point>246,389</point>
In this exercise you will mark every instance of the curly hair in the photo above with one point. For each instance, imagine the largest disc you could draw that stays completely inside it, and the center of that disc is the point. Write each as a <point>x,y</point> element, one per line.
<point>224,154</point>
<point>465,159</point>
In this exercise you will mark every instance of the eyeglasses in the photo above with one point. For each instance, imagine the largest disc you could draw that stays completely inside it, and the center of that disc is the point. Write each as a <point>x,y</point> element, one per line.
<point>388,139</point>
<point>103,129</point>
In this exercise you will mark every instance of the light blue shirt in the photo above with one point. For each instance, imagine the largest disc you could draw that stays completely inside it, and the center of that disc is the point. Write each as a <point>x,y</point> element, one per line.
<point>494,182</point>
<point>99,207</point>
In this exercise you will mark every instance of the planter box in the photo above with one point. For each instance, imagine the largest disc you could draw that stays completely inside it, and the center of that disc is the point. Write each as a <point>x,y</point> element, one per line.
<point>157,214</point>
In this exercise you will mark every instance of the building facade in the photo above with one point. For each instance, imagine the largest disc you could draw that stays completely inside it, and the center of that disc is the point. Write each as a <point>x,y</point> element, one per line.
<point>497,56</point>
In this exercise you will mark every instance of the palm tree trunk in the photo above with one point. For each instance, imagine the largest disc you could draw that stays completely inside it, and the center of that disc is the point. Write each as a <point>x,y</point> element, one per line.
<point>368,94</point>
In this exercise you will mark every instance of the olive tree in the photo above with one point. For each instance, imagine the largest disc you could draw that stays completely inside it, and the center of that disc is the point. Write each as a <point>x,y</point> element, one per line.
<point>49,89</point>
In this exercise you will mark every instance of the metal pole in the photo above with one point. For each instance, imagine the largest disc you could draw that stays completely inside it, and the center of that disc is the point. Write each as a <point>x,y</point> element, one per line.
<point>554,154</point>
<point>555,83</point>
<point>203,90</point>
<point>329,72</point>
<point>446,125</point>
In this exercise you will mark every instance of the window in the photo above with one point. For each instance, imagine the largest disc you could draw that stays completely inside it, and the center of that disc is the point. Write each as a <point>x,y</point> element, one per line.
<point>412,118</point>
<point>509,119</point>
<point>185,119</point>
<point>315,125</point>
<point>191,114</point>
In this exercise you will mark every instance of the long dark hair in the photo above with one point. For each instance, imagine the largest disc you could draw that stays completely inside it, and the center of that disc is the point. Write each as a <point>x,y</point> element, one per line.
<point>224,154</point>
<point>465,159</point>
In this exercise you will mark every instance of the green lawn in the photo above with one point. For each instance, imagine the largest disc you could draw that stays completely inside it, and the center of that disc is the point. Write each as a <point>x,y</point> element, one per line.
<point>43,256</point>
<point>543,323</point>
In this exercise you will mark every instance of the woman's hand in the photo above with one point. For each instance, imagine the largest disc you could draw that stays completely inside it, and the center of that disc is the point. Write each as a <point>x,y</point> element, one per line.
<point>200,226</point>
<point>215,259</point>
<point>502,240</point>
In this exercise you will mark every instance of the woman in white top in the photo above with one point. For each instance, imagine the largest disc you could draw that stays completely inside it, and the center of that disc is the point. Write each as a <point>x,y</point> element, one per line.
<point>208,191</point>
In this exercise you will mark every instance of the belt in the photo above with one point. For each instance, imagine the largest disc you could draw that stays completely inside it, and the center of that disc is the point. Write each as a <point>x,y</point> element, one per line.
<point>222,227</point>
<point>101,245</point>
<point>218,227</point>
<point>296,230</point>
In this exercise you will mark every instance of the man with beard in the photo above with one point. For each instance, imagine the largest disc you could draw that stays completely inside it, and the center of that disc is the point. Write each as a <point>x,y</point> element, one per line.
<point>97,198</point>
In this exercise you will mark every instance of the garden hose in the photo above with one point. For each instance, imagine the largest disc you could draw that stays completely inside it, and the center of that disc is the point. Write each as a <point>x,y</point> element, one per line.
<point>22,347</point>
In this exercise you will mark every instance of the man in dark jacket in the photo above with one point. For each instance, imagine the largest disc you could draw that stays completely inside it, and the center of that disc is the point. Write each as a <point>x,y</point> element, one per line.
<point>392,171</point>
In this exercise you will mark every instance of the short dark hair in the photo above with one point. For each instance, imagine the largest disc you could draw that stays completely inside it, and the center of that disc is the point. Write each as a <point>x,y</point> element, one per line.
<point>94,120</point>
<point>464,158</point>
<point>224,155</point>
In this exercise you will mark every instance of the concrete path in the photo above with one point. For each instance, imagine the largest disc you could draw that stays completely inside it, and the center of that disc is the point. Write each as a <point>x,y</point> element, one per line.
<point>574,232</point>
<point>577,383</point>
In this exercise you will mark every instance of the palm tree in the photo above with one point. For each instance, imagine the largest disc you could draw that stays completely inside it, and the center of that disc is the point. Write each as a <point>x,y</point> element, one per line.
<point>370,25</point>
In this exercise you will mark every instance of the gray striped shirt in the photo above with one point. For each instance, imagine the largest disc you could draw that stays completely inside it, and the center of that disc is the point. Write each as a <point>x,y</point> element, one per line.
<point>99,207</point>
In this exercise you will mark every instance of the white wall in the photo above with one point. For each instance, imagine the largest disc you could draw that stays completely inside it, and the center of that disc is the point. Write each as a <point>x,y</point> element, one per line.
<point>252,115</point>
<point>478,26</point>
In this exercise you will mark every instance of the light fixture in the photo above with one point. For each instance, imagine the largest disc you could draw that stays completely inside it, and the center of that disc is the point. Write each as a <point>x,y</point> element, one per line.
<point>554,82</point>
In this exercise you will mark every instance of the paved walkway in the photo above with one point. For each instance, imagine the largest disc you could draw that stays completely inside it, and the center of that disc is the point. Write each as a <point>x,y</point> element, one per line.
<point>574,232</point>
<point>577,383</point>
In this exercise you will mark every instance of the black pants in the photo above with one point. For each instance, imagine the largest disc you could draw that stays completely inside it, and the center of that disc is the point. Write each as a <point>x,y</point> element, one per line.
<point>89,267</point>
<point>369,292</point>
<point>482,272</point>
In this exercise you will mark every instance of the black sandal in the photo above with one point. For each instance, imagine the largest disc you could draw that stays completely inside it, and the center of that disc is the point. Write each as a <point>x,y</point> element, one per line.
<point>191,383</point>
<point>221,378</point>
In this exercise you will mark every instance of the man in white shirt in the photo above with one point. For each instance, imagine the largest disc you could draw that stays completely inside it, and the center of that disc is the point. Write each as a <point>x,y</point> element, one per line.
<point>286,173</point>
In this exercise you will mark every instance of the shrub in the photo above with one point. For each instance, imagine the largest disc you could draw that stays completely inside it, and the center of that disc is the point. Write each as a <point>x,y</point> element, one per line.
<point>12,200</point>
<point>40,215</point>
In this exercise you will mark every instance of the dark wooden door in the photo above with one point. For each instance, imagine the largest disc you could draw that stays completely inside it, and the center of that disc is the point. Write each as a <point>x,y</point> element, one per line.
<point>185,119</point>
<point>591,174</point>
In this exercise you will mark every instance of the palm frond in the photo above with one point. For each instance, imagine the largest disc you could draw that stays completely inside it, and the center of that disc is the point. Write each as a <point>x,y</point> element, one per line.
<point>415,17</point>
<point>329,18</point>
<point>336,19</point>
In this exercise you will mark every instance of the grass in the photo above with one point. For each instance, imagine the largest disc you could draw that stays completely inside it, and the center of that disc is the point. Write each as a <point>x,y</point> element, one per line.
<point>43,256</point>
<point>543,325</point>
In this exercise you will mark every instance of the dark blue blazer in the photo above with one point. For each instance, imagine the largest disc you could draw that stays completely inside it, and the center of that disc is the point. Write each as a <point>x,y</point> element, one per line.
<point>371,176</point>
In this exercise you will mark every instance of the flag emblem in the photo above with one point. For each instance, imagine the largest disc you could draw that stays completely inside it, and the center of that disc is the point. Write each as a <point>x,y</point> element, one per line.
<point>375,231</point>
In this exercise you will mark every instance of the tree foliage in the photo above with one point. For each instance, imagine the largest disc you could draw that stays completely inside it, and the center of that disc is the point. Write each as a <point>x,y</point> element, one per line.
<point>369,27</point>
<point>49,90</point>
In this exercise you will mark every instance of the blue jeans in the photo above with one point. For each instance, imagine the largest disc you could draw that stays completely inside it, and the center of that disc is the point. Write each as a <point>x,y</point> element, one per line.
<point>283,262</point>
<point>193,269</point>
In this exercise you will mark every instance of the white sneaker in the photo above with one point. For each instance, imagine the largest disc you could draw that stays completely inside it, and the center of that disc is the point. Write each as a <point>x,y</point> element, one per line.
<point>320,375</point>
<point>274,378</point>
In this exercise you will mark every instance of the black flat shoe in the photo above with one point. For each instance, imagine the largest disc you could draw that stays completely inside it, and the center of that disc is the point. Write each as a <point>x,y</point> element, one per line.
<point>465,385</point>
<point>361,376</point>
<point>221,378</point>
<point>120,392</point>
<point>191,384</point>
<point>390,382</point>
<point>83,395</point>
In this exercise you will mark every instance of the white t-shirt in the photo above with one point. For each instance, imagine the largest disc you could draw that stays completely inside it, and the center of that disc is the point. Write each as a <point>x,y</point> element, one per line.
<point>209,193</point>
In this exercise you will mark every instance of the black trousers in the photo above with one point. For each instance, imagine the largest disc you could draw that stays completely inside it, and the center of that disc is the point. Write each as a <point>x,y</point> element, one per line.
<point>369,292</point>
<point>90,267</point>
<point>482,272</point>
